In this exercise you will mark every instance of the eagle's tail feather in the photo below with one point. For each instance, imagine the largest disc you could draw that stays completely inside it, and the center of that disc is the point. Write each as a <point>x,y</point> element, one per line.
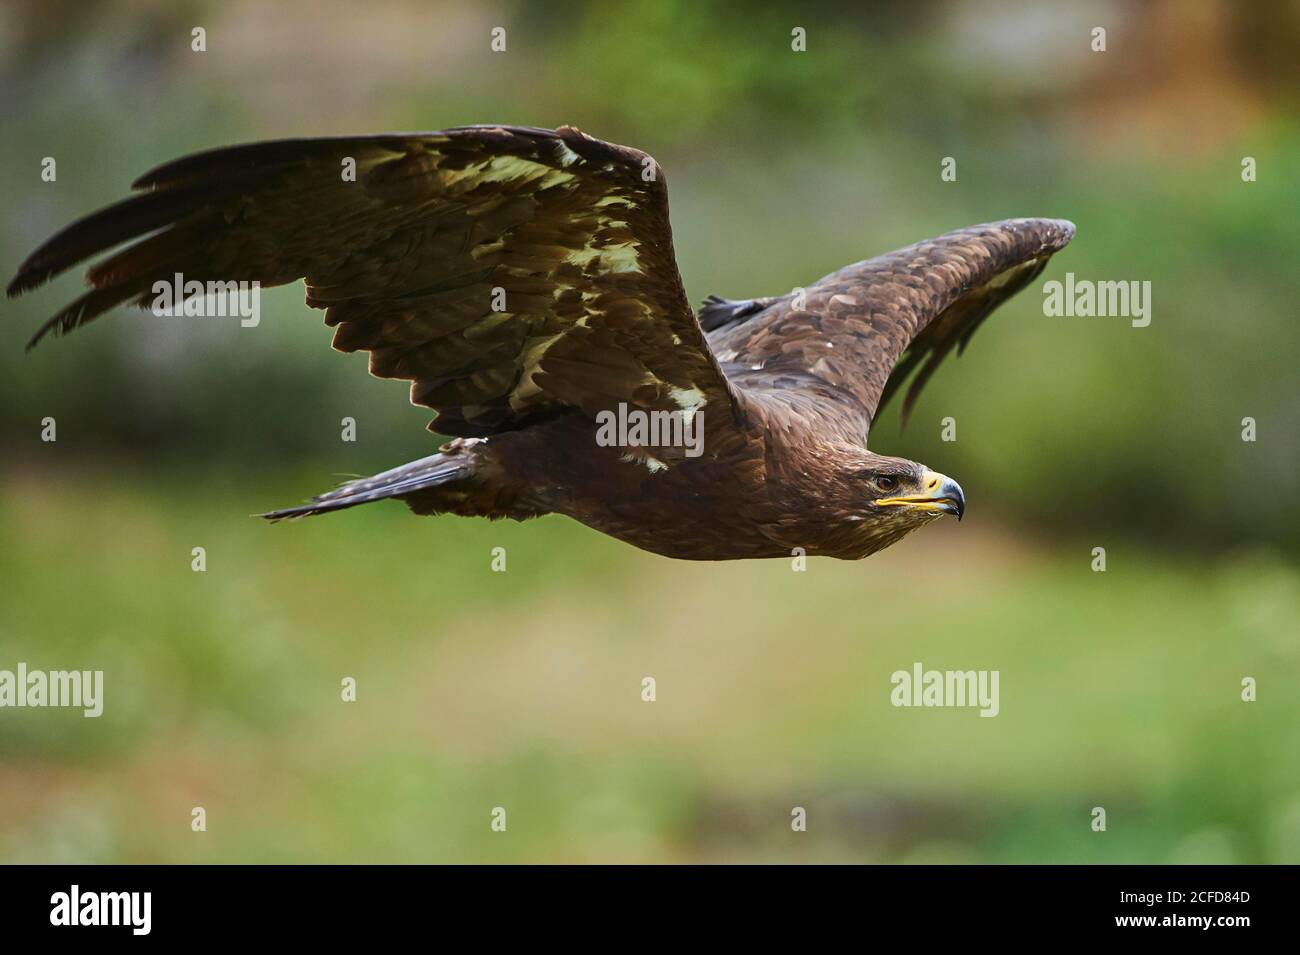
<point>430,472</point>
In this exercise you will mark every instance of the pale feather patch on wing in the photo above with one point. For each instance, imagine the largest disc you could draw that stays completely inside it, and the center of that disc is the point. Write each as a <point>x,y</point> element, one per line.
<point>484,249</point>
<point>648,461</point>
<point>505,169</point>
<point>530,361</point>
<point>567,156</point>
<point>688,400</point>
<point>612,258</point>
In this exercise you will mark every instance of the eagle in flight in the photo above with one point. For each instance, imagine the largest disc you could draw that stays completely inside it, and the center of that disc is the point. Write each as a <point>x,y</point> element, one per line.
<point>523,280</point>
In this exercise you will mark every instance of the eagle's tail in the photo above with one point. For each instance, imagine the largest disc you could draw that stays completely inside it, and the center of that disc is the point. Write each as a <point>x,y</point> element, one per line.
<point>400,482</point>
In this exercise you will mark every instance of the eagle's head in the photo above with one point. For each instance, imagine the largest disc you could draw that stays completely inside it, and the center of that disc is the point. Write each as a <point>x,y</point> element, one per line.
<point>891,497</point>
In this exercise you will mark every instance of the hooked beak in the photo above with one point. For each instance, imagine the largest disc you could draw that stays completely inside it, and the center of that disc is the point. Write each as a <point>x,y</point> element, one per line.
<point>942,494</point>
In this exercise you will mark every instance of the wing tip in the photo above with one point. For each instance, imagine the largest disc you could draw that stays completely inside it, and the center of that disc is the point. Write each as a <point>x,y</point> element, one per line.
<point>1064,229</point>
<point>21,283</point>
<point>33,272</point>
<point>1055,234</point>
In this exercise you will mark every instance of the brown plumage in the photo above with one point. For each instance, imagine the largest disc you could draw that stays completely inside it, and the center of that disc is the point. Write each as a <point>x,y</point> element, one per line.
<point>524,281</point>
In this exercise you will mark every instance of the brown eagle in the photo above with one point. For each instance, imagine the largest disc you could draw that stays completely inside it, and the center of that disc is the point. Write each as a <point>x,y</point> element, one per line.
<point>524,281</point>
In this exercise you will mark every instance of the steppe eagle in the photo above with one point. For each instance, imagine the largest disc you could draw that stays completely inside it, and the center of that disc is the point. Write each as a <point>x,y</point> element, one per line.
<point>524,281</point>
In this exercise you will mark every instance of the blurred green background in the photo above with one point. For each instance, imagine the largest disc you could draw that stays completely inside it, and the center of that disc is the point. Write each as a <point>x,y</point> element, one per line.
<point>522,689</point>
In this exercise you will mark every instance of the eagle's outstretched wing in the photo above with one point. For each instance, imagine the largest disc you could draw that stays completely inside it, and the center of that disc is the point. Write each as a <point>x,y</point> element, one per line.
<point>508,272</point>
<point>838,343</point>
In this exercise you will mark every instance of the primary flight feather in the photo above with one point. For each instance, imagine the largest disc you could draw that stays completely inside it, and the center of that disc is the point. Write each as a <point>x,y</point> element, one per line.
<point>524,281</point>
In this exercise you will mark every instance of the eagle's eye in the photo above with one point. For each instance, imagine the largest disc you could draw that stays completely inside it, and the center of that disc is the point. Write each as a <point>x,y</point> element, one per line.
<point>886,483</point>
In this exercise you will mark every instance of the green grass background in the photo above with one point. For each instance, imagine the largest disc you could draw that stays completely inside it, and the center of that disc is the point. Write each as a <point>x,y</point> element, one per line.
<point>522,689</point>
